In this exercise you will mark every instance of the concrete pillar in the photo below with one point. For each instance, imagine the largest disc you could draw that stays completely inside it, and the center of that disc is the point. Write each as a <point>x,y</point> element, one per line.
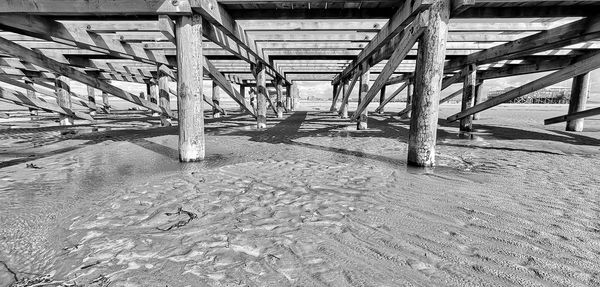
<point>428,86</point>
<point>579,95</point>
<point>63,91</point>
<point>288,97</point>
<point>190,104</point>
<point>362,92</point>
<point>468,96</point>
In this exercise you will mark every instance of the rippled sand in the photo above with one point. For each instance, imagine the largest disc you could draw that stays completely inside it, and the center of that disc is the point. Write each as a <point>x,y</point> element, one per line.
<point>309,202</point>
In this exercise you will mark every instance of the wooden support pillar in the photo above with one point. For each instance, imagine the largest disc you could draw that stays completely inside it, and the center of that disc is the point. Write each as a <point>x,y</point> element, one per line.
<point>410,90</point>
<point>105,101</point>
<point>164,98</point>
<point>153,96</point>
<point>336,88</point>
<point>31,94</point>
<point>362,92</point>
<point>216,100</point>
<point>243,95</point>
<point>190,103</point>
<point>468,97</point>
<point>579,95</point>
<point>261,95</point>
<point>92,100</point>
<point>344,104</point>
<point>382,99</point>
<point>279,90</point>
<point>428,86</point>
<point>480,97</point>
<point>288,97</point>
<point>63,93</point>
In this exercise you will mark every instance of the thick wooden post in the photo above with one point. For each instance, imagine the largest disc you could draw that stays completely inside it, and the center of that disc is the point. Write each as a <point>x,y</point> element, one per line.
<point>428,86</point>
<point>382,98</point>
<point>105,101</point>
<point>579,95</point>
<point>190,103</point>
<point>295,97</point>
<point>288,97</point>
<point>279,90</point>
<point>153,94</point>
<point>480,97</point>
<point>410,89</point>
<point>243,95</point>
<point>334,99</point>
<point>344,104</point>
<point>63,92</point>
<point>362,92</point>
<point>164,98</point>
<point>261,94</point>
<point>216,99</point>
<point>468,96</point>
<point>31,94</point>
<point>92,100</point>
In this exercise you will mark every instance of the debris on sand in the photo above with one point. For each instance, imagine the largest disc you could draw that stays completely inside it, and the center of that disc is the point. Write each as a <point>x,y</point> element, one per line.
<point>31,165</point>
<point>181,223</point>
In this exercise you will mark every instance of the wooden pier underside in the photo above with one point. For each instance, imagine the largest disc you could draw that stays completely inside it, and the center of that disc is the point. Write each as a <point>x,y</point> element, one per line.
<point>96,42</point>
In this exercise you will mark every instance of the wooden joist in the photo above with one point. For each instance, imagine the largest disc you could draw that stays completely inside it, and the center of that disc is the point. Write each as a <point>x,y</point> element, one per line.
<point>572,33</point>
<point>27,101</point>
<point>77,35</point>
<point>409,38</point>
<point>583,65</point>
<point>391,97</point>
<point>573,116</point>
<point>38,59</point>
<point>405,14</point>
<point>214,13</point>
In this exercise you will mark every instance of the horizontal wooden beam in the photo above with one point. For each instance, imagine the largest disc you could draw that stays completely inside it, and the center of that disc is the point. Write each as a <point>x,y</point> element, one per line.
<point>87,7</point>
<point>39,59</point>
<point>401,19</point>
<point>583,65</point>
<point>78,36</point>
<point>24,100</point>
<point>573,116</point>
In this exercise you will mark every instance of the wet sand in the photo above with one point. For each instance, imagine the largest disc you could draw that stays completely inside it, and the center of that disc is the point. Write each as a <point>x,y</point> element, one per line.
<point>308,202</point>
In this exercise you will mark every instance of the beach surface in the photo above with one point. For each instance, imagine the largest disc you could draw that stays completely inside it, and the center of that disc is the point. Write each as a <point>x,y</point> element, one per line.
<point>310,201</point>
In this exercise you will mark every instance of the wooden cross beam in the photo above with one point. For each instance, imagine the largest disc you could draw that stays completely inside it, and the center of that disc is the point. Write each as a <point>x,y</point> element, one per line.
<point>404,15</point>
<point>391,97</point>
<point>583,65</point>
<point>27,101</point>
<point>409,37</point>
<point>38,59</point>
<point>77,35</point>
<point>10,81</point>
<point>216,14</point>
<point>572,33</point>
<point>573,116</point>
<point>86,7</point>
<point>224,84</point>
